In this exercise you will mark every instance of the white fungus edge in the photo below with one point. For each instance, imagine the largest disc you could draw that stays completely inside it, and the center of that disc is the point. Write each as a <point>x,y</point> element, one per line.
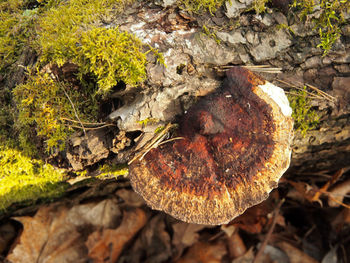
<point>278,95</point>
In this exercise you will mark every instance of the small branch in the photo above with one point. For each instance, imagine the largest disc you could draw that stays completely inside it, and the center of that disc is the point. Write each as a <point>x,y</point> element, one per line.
<point>269,233</point>
<point>256,68</point>
<point>336,200</point>
<point>329,183</point>
<point>312,95</point>
<point>153,143</point>
<point>331,98</point>
<point>320,94</point>
<point>90,128</point>
<point>86,123</point>
<point>71,102</point>
<point>309,95</point>
<point>169,140</point>
<point>264,68</point>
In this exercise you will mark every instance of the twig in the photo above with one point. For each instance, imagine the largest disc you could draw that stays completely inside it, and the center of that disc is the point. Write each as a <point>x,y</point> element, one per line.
<point>264,68</point>
<point>153,144</point>
<point>169,140</point>
<point>309,95</point>
<point>331,196</point>
<point>269,233</point>
<point>91,128</point>
<point>320,94</point>
<point>315,96</point>
<point>158,143</point>
<point>257,68</point>
<point>75,112</point>
<point>329,183</point>
<point>331,98</point>
<point>86,123</point>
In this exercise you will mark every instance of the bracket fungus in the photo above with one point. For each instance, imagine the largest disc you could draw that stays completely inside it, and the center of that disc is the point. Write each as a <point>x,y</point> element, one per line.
<point>233,147</point>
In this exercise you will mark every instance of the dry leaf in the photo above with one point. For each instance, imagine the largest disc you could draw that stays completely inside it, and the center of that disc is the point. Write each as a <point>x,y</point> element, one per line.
<point>295,255</point>
<point>248,257</point>
<point>343,218</point>
<point>337,194</point>
<point>331,256</point>
<point>104,214</point>
<point>310,193</point>
<point>48,237</point>
<point>185,235</point>
<point>324,188</point>
<point>254,219</point>
<point>236,246</point>
<point>228,229</point>
<point>274,255</point>
<point>106,245</point>
<point>130,197</point>
<point>204,253</point>
<point>152,245</point>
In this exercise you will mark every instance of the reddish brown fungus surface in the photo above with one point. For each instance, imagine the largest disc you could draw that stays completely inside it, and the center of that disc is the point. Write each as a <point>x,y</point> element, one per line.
<point>235,146</point>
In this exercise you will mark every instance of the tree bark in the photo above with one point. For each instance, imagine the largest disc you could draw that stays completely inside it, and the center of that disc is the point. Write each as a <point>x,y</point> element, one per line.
<point>194,59</point>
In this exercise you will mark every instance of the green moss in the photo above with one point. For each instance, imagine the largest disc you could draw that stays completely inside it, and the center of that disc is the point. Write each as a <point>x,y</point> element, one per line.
<point>328,21</point>
<point>210,33</point>
<point>198,6</point>
<point>158,55</point>
<point>24,179</point>
<point>70,32</point>
<point>112,56</point>
<point>202,5</point>
<point>260,6</point>
<point>159,129</point>
<point>60,27</point>
<point>305,118</point>
<point>108,171</point>
<point>44,103</point>
<point>148,121</point>
<point>16,28</point>
<point>60,32</point>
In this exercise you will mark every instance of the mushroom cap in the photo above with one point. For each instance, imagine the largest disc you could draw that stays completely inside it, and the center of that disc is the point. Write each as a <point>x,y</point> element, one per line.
<point>235,147</point>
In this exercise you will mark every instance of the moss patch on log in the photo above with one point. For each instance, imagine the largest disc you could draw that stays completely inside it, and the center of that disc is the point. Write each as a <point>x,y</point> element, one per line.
<point>25,179</point>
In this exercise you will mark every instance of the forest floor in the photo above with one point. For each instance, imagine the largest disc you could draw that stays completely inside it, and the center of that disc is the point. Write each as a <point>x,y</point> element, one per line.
<point>305,219</point>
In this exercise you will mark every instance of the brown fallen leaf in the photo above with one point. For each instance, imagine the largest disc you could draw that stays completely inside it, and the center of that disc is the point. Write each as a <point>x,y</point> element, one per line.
<point>105,213</point>
<point>324,188</point>
<point>185,235</point>
<point>202,252</point>
<point>337,194</point>
<point>107,244</point>
<point>295,255</point>
<point>305,191</point>
<point>235,244</point>
<point>254,219</point>
<point>130,197</point>
<point>153,244</point>
<point>48,237</point>
<point>249,256</point>
<point>341,220</point>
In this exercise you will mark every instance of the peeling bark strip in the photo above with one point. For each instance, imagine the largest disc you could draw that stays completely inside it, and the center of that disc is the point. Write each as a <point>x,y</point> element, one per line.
<point>235,146</point>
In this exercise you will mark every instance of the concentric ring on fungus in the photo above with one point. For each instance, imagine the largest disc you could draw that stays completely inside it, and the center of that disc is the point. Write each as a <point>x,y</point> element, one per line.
<point>235,147</point>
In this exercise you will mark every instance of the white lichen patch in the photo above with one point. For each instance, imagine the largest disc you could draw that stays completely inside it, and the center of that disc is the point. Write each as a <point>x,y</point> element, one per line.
<point>278,95</point>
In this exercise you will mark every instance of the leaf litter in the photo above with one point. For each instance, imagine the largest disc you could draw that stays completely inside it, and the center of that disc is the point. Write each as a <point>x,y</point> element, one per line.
<point>119,227</point>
